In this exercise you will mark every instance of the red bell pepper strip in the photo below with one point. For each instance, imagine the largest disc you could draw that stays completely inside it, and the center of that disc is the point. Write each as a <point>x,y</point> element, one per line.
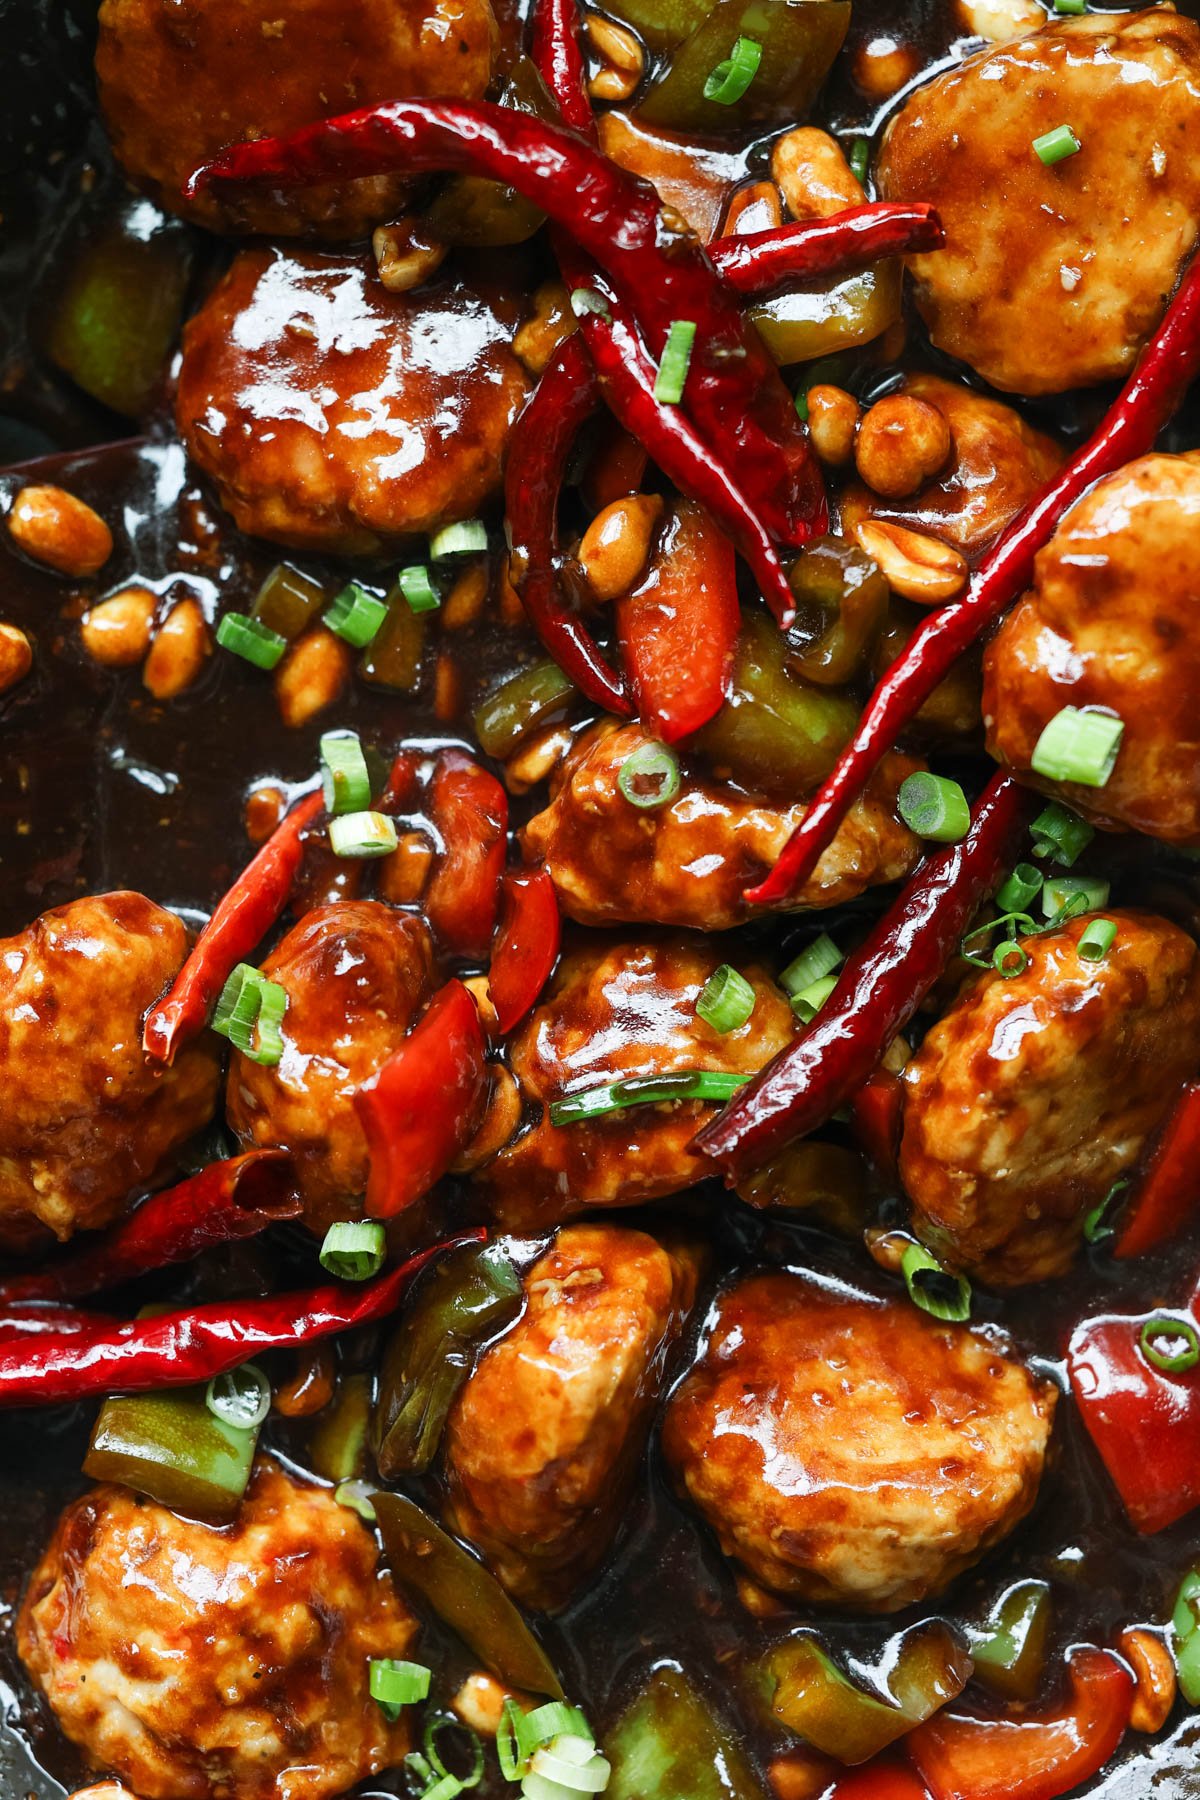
<point>233,1199</point>
<point>1036,1756</point>
<point>877,1780</point>
<point>1150,396</point>
<point>877,1114</point>
<point>177,1349</point>
<point>422,1107</point>
<point>468,809</point>
<point>761,261</point>
<point>18,1324</point>
<point>558,56</point>
<point>878,991</point>
<point>678,633</point>
<point>1166,1185</point>
<point>527,947</point>
<point>240,922</point>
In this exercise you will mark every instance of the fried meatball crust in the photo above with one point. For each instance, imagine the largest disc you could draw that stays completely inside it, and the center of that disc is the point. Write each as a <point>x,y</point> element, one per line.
<point>87,1118</point>
<point>1053,277</point>
<point>1113,621</point>
<point>1034,1093</point>
<point>181,79</point>
<point>545,1439</point>
<point>218,1663</point>
<point>688,863</point>
<point>355,974</point>
<point>616,1010</point>
<point>333,415</point>
<point>853,1452</point>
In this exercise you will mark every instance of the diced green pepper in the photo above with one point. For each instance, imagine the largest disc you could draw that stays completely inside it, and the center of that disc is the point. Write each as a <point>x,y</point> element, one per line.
<point>1010,1648</point>
<point>799,41</point>
<point>820,318</point>
<point>338,1450</point>
<point>663,23</point>
<point>520,705</point>
<point>841,604</point>
<point>670,1744</point>
<point>172,1447</point>
<point>393,657</point>
<point>812,1697</point>
<point>288,601</point>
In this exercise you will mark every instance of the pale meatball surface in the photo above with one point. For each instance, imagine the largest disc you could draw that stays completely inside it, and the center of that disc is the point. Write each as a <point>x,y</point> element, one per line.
<point>545,1440</point>
<point>853,1452</point>
<point>355,974</point>
<point>1113,621</point>
<point>1054,276</point>
<point>1034,1093</point>
<point>87,1118</point>
<point>688,863</point>
<point>334,415</point>
<point>206,1663</point>
<point>181,79</point>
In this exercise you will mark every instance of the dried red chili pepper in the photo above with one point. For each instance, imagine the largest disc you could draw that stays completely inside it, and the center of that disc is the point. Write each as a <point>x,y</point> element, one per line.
<point>1129,428</point>
<point>878,991</point>
<point>1165,1192</point>
<point>469,811</point>
<point>877,1780</point>
<point>20,1324</point>
<point>228,1200</point>
<point>194,1344</point>
<point>616,467</point>
<point>240,922</point>
<point>877,1114</point>
<point>558,56</point>
<point>761,261</point>
<point>527,947</point>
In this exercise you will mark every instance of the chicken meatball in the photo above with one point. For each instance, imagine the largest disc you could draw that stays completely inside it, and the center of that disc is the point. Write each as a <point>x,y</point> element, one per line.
<point>1054,275</point>
<point>86,1117</point>
<point>1036,1092</point>
<point>205,1663</point>
<point>854,1452</point>
<point>544,1441</point>
<point>615,1011</point>
<point>688,863</point>
<point>355,975</point>
<point>180,81</point>
<point>1112,622</point>
<point>334,415</point>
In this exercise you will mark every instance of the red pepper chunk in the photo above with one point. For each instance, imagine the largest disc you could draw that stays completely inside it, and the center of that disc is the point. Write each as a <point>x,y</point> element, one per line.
<point>422,1107</point>
<point>1166,1187</point>
<point>527,947</point>
<point>878,1780</point>
<point>1037,1756</point>
<point>877,1115</point>
<point>469,811</point>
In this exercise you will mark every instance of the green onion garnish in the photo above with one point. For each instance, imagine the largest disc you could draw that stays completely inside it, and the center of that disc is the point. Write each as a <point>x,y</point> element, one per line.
<point>1010,923</point>
<point>356,615</point>
<point>1066,896</point>
<point>395,1684</point>
<point>566,1767</point>
<point>932,1288</point>
<point>1052,146</point>
<point>1022,886</point>
<point>1080,745</point>
<point>802,404</point>
<point>1070,6</point>
<point>676,359</point>
<point>1060,834</point>
<point>250,1012</point>
<point>345,778</point>
<point>362,834</point>
<point>860,160</point>
<point>934,807</point>
<point>253,642</point>
<point>649,777</point>
<point>1170,1344</point>
<point>434,1727</point>
<point>1095,1225</point>
<point>418,590</point>
<point>468,538</point>
<point>1185,1623</point>
<point>1010,959</point>
<point>356,1495</point>
<point>731,78</point>
<point>241,1397</point>
<point>727,1000</point>
<point>353,1250</point>
<point>544,1723</point>
<point>645,1090</point>
<point>1097,940</point>
<point>809,1001</point>
<point>587,300</point>
<point>817,959</point>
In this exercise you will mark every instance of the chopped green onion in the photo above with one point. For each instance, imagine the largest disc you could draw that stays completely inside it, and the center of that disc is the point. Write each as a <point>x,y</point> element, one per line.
<point>932,1288</point>
<point>447,1722</point>
<point>1060,834</point>
<point>860,160</point>
<point>418,590</point>
<point>1096,942</point>
<point>253,642</point>
<point>587,300</point>
<point>1164,1330</point>
<point>816,960</point>
<point>1066,896</point>
<point>1010,959</point>
<point>267,1048</point>
<point>934,807</point>
<point>645,1090</point>
<point>1070,6</point>
<point>565,1767</point>
<point>1054,145</point>
<point>726,1001</point>
<point>345,778</point>
<point>250,1012</point>
<point>809,1001</point>
<point>1022,886</point>
<point>732,78</point>
<point>356,616</point>
<point>396,1684</point>
<point>356,1496</point>
<point>446,1787</point>
<point>649,777</point>
<point>466,539</point>
<point>240,1397</point>
<point>1095,1225</point>
<point>362,834</point>
<point>1185,1623</point>
<point>802,404</point>
<point>1080,745</point>
<point>353,1250</point>
<point>676,359</point>
<point>1011,923</point>
<point>287,601</point>
<point>556,1719</point>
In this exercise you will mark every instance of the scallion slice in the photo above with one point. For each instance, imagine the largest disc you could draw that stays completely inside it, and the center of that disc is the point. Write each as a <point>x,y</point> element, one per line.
<point>362,834</point>
<point>1060,834</point>
<point>356,1495</point>
<point>1021,887</point>
<point>345,779</point>
<point>934,807</point>
<point>395,1684</point>
<point>466,539</point>
<point>649,777</point>
<point>1170,1344</point>
<point>250,1012</point>
<point>1054,145</point>
<point>1097,940</point>
<point>860,160</point>
<point>1080,745</point>
<point>1066,896</point>
<point>587,300</point>
<point>809,1001</point>
<point>1010,959</point>
<point>726,1001</point>
<point>933,1288</point>
<point>1070,6</point>
<point>645,1090</point>
<point>267,1045</point>
<point>816,960</point>
<point>355,615</point>
<point>353,1249</point>
<point>556,1719</point>
<point>565,1767</point>
<point>1095,1225</point>
<point>241,1397</point>
<point>434,1727</point>
<point>252,641</point>
<point>418,590</point>
<point>731,79</point>
<point>1185,1625</point>
<point>676,360</point>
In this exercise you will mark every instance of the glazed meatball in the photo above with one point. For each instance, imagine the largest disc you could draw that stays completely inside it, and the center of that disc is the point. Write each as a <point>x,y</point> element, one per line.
<point>355,974</point>
<point>180,81</point>
<point>1036,1092</point>
<point>334,415</point>
<point>86,1118</point>
<point>1111,622</point>
<point>688,863</point>
<point>1054,276</point>
<point>205,1663</point>
<point>544,1441</point>
<point>612,1012</point>
<point>852,1452</point>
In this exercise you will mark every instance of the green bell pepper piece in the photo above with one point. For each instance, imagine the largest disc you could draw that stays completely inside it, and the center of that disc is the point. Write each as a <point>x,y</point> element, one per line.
<point>669,1744</point>
<point>520,705</point>
<point>1010,1649</point>
<point>812,1697</point>
<point>800,40</point>
<point>816,319</point>
<point>172,1448</point>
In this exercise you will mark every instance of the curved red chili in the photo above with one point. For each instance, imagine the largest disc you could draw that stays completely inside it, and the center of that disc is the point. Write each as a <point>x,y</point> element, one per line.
<point>527,947</point>
<point>1165,1193</point>
<point>23,1323</point>
<point>469,811</point>
<point>761,261</point>
<point>558,55</point>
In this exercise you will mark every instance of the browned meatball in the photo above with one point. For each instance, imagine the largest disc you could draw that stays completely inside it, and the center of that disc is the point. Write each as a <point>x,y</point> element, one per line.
<point>86,1118</point>
<point>333,415</point>
<point>1054,276</point>
<point>854,1452</point>
<point>1111,622</point>
<point>1035,1092</point>
<point>205,1663</point>
<point>616,1011</point>
<point>545,1439</point>
<point>688,863</point>
<point>180,79</point>
<point>355,975</point>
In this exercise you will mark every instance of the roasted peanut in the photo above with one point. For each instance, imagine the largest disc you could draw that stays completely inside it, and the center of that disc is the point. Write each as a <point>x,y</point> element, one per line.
<point>311,676</point>
<point>55,528</point>
<point>813,174</point>
<point>503,1114</point>
<point>103,1790</point>
<point>551,322</point>
<point>533,760</point>
<point>479,1703</point>
<point>616,545</point>
<point>181,647</point>
<point>405,255</point>
<point>800,1775</point>
<point>833,417</point>
<point>902,442</point>
<point>621,58</point>
<point>16,656</point>
<point>265,807</point>
<point>447,688</point>
<point>883,65</point>
<point>886,1247</point>
<point>311,1386</point>
<point>511,610</point>
<point>1154,1667</point>
<point>467,598</point>
<point>754,208</point>
<point>403,874</point>
<point>919,567</point>
<point>477,987</point>
<point>999,21</point>
<point>116,631</point>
